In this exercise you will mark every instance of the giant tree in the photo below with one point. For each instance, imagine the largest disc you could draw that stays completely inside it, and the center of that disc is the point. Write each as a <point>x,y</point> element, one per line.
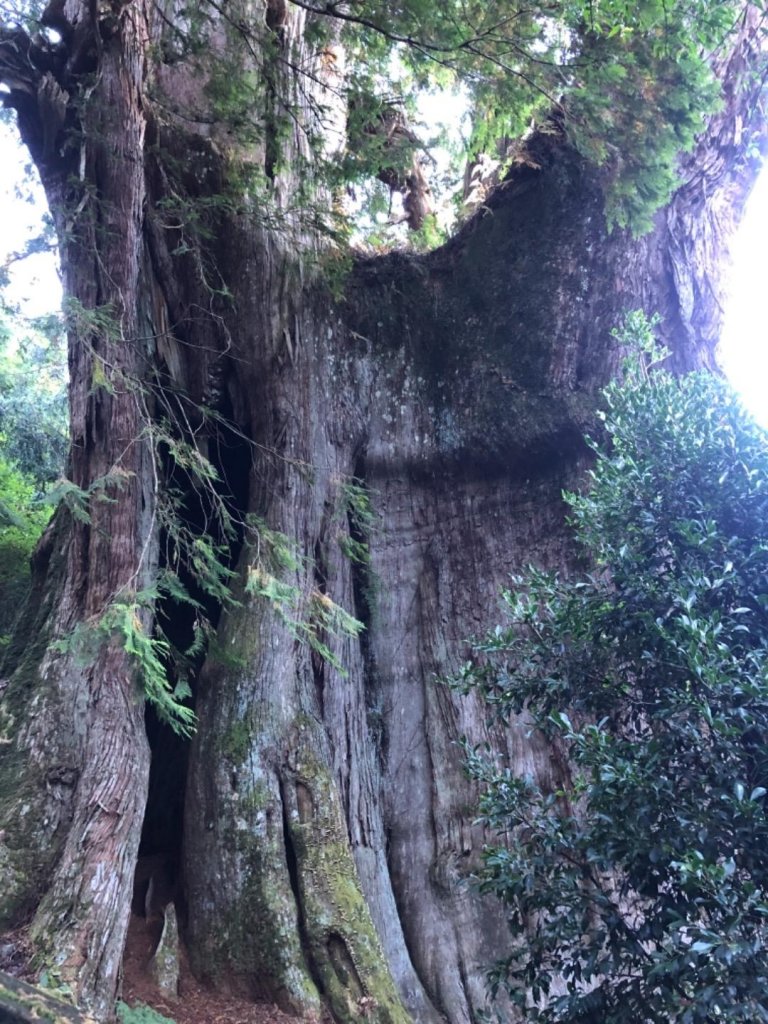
<point>298,475</point>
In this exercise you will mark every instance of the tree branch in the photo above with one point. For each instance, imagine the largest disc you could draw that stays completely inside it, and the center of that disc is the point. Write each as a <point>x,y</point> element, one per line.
<point>432,51</point>
<point>19,63</point>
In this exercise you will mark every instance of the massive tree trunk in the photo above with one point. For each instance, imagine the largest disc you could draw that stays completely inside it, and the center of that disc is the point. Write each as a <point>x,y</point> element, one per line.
<point>395,453</point>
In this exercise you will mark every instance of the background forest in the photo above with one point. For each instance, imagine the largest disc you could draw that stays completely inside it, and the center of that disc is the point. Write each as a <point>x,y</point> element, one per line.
<point>33,445</point>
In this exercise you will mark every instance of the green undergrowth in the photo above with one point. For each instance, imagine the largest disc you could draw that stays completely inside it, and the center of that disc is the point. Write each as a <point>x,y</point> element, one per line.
<point>140,1014</point>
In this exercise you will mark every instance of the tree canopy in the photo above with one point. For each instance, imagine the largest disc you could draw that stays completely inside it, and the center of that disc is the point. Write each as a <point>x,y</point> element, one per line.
<point>33,442</point>
<point>632,83</point>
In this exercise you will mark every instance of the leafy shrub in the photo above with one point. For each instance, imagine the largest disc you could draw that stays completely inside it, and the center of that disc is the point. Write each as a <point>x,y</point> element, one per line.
<point>637,890</point>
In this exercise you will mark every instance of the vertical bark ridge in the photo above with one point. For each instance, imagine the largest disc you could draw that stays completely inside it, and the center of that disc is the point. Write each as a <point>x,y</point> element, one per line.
<point>80,925</point>
<point>291,875</point>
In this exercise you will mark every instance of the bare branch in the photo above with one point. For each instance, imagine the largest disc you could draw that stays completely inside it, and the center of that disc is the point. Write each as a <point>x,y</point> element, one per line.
<point>19,71</point>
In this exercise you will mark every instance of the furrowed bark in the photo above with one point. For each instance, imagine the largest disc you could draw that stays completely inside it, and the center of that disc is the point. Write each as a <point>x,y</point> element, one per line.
<point>76,764</point>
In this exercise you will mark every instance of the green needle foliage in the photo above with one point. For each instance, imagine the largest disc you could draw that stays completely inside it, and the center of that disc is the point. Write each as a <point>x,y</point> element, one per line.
<point>312,618</point>
<point>126,622</point>
<point>637,887</point>
<point>630,82</point>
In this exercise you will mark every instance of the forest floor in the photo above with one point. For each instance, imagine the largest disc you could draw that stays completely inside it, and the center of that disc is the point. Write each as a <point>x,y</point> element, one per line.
<point>195,1003</point>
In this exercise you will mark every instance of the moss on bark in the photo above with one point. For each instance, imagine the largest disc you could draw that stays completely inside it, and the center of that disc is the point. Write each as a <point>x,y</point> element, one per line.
<point>340,936</point>
<point>21,1003</point>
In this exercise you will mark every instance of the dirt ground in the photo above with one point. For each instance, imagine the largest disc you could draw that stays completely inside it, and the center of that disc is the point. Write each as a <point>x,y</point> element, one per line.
<point>196,1004</point>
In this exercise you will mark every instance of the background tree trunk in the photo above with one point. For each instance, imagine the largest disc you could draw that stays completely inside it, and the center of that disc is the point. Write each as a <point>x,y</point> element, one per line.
<point>319,825</point>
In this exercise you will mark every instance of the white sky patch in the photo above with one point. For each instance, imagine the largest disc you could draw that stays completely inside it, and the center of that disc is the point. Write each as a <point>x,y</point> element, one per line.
<point>444,115</point>
<point>744,344</point>
<point>34,280</point>
<point>441,123</point>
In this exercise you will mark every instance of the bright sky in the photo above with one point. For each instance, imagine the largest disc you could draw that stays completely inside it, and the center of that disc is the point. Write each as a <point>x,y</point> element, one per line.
<point>744,348</point>
<point>34,280</point>
<point>744,344</point>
